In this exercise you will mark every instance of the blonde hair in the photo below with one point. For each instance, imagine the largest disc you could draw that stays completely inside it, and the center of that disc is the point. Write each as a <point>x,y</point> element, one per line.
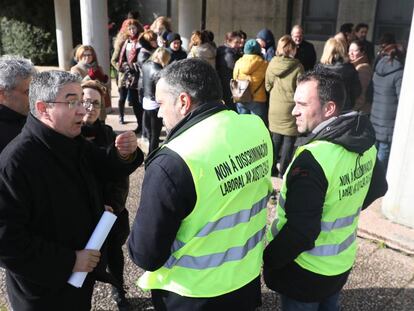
<point>80,50</point>
<point>160,24</point>
<point>286,46</point>
<point>161,56</point>
<point>148,35</point>
<point>333,51</point>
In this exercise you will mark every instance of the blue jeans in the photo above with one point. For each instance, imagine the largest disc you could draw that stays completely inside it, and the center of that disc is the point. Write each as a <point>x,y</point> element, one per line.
<point>256,108</point>
<point>329,304</point>
<point>383,152</point>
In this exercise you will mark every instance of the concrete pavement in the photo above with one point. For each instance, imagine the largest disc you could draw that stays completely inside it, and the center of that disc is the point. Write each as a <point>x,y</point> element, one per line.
<point>382,279</point>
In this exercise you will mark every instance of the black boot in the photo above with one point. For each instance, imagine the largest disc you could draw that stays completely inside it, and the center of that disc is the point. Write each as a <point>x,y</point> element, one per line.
<point>121,120</point>
<point>120,299</point>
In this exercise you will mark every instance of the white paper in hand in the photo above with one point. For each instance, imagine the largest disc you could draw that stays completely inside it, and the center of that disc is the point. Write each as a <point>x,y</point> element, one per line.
<point>95,242</point>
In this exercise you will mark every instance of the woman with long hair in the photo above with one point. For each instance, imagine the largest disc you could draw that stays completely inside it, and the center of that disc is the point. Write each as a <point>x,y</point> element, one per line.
<point>335,58</point>
<point>281,76</point>
<point>128,72</point>
<point>359,58</point>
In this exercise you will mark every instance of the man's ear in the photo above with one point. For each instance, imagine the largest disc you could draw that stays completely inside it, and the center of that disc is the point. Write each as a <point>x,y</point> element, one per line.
<point>330,109</point>
<point>2,96</point>
<point>185,103</point>
<point>41,109</point>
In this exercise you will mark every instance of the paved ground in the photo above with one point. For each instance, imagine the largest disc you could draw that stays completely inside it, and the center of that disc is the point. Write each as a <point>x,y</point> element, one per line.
<point>382,279</point>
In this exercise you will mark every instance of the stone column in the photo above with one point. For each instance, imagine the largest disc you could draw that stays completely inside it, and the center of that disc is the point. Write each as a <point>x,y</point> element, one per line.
<point>399,201</point>
<point>94,19</point>
<point>63,33</point>
<point>189,19</point>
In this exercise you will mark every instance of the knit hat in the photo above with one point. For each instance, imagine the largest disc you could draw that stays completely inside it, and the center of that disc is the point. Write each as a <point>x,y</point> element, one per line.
<point>172,36</point>
<point>252,47</point>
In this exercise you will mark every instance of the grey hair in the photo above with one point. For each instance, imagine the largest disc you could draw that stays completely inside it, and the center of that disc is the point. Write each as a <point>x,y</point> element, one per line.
<point>13,69</point>
<point>46,85</point>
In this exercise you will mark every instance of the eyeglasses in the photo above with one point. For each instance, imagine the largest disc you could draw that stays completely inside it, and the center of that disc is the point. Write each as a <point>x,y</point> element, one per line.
<point>87,54</point>
<point>76,103</point>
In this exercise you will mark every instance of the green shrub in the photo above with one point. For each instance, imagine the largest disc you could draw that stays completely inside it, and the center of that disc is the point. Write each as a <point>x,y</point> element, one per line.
<point>18,37</point>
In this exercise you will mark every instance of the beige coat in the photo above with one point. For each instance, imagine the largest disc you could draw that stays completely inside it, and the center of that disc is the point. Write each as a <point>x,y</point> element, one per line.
<point>281,76</point>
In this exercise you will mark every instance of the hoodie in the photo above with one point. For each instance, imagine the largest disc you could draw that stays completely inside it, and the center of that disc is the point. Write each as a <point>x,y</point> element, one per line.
<point>281,76</point>
<point>386,83</point>
<point>307,186</point>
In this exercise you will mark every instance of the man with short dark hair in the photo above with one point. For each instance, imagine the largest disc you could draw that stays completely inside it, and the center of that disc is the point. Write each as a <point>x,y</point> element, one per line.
<point>200,225</point>
<point>51,199</point>
<point>361,31</point>
<point>305,51</point>
<point>334,174</point>
<point>15,76</point>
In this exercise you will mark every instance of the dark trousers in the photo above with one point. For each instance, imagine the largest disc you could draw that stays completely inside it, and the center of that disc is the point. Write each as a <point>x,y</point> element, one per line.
<point>155,126</point>
<point>283,144</point>
<point>117,238</point>
<point>132,95</point>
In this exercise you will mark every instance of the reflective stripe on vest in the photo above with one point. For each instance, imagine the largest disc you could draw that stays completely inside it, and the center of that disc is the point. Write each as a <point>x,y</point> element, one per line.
<point>215,260</point>
<point>223,234</point>
<point>348,176</point>
<point>225,222</point>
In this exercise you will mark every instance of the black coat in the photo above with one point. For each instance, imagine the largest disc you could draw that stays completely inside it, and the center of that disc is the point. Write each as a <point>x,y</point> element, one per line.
<point>11,124</point>
<point>50,202</point>
<point>306,54</point>
<point>177,55</point>
<point>225,59</point>
<point>149,72</point>
<point>350,77</point>
<point>386,84</point>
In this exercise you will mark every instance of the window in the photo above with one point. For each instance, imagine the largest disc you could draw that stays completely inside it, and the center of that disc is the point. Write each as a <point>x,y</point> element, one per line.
<point>394,17</point>
<point>319,18</point>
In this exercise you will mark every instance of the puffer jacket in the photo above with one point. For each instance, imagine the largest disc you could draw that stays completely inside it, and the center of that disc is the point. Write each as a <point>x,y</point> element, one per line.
<point>253,68</point>
<point>386,84</point>
<point>281,76</point>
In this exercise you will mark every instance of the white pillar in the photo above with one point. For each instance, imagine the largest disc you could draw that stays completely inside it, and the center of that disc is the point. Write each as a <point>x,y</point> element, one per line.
<point>189,19</point>
<point>63,33</point>
<point>398,203</point>
<point>94,19</point>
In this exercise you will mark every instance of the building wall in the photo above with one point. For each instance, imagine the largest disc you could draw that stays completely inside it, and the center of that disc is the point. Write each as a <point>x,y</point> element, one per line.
<point>250,16</point>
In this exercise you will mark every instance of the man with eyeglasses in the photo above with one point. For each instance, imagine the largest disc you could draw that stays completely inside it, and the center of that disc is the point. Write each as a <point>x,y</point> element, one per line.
<point>15,75</point>
<point>51,198</point>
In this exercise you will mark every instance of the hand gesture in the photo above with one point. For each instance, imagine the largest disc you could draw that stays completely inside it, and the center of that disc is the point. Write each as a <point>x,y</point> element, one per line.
<point>126,143</point>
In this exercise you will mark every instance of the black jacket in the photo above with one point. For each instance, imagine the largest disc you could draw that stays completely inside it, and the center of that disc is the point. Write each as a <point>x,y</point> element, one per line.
<point>386,84</point>
<point>225,59</point>
<point>306,54</point>
<point>11,124</point>
<point>149,72</point>
<point>115,192</point>
<point>177,55</point>
<point>50,202</point>
<point>307,186</point>
<point>167,197</point>
<point>350,77</point>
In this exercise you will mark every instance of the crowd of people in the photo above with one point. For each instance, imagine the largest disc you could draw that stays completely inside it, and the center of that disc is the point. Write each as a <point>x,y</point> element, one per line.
<point>309,122</point>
